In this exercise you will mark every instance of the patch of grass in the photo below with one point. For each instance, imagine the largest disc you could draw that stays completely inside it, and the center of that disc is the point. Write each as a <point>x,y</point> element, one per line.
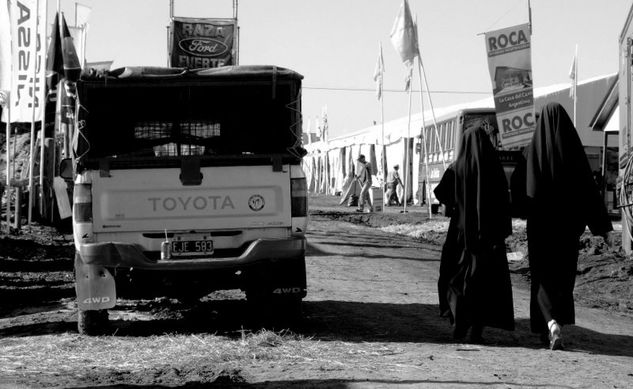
<point>66,352</point>
<point>433,230</point>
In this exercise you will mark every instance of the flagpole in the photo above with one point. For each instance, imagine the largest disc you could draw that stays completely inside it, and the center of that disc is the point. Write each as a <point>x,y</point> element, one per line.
<point>84,35</point>
<point>169,32</point>
<point>530,16</point>
<point>406,149</point>
<point>437,135</point>
<point>575,82</point>
<point>382,136</point>
<point>383,158</point>
<point>427,187</point>
<point>8,189</point>
<point>32,145</point>
<point>43,100</point>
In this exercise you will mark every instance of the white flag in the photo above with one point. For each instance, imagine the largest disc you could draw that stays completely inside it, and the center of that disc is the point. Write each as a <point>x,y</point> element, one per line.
<point>324,124</point>
<point>573,74</point>
<point>28,73</point>
<point>5,57</point>
<point>378,72</point>
<point>408,78</point>
<point>82,14</point>
<point>403,35</point>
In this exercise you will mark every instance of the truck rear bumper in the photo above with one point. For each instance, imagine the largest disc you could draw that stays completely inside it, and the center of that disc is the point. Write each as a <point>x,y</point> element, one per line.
<point>127,255</point>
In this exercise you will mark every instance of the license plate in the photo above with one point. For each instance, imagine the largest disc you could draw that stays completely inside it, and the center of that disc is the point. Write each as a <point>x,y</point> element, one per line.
<point>180,248</point>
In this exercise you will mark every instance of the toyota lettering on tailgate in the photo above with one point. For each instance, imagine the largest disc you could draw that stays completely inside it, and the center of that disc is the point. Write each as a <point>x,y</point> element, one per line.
<point>178,203</point>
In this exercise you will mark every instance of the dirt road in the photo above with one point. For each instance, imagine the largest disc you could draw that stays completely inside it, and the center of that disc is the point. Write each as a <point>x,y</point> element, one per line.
<point>382,290</point>
<point>371,320</point>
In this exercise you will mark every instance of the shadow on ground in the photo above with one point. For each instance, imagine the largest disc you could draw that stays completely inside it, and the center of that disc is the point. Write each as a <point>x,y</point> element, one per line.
<point>335,384</point>
<point>330,321</point>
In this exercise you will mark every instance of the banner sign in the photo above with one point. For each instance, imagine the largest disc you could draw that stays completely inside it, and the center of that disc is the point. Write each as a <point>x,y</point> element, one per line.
<point>28,69</point>
<point>510,65</point>
<point>202,43</point>
<point>5,58</point>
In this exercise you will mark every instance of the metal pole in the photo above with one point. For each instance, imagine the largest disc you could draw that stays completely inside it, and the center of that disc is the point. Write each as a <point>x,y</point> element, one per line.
<point>603,184</point>
<point>383,161</point>
<point>530,17</point>
<point>169,45</point>
<point>626,240</point>
<point>406,150</point>
<point>382,136</point>
<point>427,187</point>
<point>437,134</point>
<point>32,145</point>
<point>8,133</point>
<point>575,83</point>
<point>236,38</point>
<point>84,35</point>
<point>15,135</point>
<point>43,100</point>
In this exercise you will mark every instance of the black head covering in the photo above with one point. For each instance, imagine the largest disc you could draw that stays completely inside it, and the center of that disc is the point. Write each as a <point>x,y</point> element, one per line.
<point>480,191</point>
<point>474,284</point>
<point>559,178</point>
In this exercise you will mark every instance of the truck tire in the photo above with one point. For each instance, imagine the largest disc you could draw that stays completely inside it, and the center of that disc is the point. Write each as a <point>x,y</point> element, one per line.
<point>92,323</point>
<point>274,312</point>
<point>289,308</point>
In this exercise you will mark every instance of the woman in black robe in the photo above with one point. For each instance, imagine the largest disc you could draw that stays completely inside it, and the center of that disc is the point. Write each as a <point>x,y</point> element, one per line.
<point>474,284</point>
<point>563,199</point>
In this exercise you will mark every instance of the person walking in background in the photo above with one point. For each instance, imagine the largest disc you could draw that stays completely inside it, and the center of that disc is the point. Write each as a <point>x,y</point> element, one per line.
<point>563,199</point>
<point>474,283</point>
<point>393,180</point>
<point>364,179</point>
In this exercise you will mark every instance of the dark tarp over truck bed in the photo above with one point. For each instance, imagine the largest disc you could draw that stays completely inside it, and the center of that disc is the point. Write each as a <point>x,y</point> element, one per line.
<point>234,110</point>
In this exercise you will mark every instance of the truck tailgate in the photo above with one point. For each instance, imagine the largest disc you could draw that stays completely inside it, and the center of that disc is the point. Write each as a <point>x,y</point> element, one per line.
<point>229,197</point>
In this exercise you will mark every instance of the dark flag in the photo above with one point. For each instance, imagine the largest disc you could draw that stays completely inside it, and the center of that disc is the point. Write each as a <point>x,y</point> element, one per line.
<point>72,66</point>
<point>54,62</point>
<point>54,71</point>
<point>72,71</point>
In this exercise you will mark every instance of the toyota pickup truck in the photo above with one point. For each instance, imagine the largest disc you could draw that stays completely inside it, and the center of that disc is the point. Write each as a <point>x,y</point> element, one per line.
<point>187,182</point>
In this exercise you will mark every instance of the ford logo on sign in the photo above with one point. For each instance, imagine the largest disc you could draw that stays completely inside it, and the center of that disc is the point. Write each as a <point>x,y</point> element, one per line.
<point>203,47</point>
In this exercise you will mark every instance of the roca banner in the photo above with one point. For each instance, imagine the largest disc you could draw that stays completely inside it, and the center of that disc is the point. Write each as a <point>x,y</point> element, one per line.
<point>510,65</point>
<point>202,43</point>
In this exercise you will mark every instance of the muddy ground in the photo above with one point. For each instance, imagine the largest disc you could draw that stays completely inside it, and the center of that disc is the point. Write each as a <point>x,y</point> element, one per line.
<point>370,320</point>
<point>605,274</point>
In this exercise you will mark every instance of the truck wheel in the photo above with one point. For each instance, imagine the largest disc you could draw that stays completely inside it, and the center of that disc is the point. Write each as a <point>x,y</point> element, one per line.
<point>289,308</point>
<point>271,311</point>
<point>93,322</point>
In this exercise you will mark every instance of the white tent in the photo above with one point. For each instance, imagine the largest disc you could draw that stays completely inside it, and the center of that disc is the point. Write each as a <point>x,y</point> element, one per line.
<point>368,141</point>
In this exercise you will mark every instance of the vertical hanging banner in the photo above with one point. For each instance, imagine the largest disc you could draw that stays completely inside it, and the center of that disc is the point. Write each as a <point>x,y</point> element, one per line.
<point>5,58</point>
<point>27,47</point>
<point>202,43</point>
<point>510,65</point>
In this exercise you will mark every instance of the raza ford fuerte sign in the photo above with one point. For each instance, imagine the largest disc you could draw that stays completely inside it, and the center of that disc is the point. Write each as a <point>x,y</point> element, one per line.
<point>510,65</point>
<point>202,43</point>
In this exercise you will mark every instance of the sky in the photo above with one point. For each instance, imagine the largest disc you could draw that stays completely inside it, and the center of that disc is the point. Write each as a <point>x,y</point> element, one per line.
<point>334,45</point>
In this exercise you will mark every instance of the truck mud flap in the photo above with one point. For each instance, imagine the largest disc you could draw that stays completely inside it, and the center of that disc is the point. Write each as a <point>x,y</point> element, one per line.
<point>94,285</point>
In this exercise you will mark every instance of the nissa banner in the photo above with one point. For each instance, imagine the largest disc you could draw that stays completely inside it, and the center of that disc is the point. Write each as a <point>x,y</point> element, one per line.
<point>202,43</point>
<point>27,49</point>
<point>510,65</point>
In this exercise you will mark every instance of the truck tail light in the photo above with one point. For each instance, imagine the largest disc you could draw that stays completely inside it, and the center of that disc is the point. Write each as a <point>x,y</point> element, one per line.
<point>299,200</point>
<point>82,214</point>
<point>82,203</point>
